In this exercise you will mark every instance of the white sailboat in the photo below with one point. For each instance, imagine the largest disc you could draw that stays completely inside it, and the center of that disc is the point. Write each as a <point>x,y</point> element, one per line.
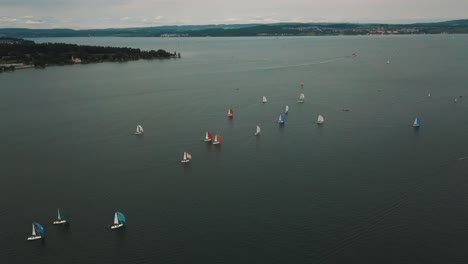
<point>119,220</point>
<point>286,109</point>
<point>139,130</point>
<point>301,98</point>
<point>59,220</point>
<point>258,131</point>
<point>388,61</point>
<point>187,157</point>
<point>320,119</point>
<point>37,232</point>
<point>264,100</point>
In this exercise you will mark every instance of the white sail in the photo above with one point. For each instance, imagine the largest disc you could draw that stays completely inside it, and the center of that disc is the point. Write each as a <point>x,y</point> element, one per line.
<point>286,109</point>
<point>301,97</point>
<point>59,217</point>
<point>33,230</point>
<point>116,219</point>
<point>258,129</point>
<point>139,129</point>
<point>264,99</point>
<point>320,119</point>
<point>185,155</point>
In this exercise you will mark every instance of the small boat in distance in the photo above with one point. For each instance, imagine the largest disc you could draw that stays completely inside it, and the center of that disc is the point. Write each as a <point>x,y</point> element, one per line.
<point>455,100</point>
<point>416,122</point>
<point>286,109</point>
<point>139,130</point>
<point>119,220</point>
<point>258,131</point>
<point>281,119</point>
<point>60,220</point>
<point>187,157</point>
<point>37,231</point>
<point>429,95</point>
<point>301,98</point>
<point>264,100</point>
<point>217,139</point>
<point>320,119</point>
<point>208,136</point>
<point>388,61</point>
<point>230,113</point>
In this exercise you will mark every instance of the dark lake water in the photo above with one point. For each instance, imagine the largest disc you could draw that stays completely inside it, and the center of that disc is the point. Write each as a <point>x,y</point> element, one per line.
<point>365,187</point>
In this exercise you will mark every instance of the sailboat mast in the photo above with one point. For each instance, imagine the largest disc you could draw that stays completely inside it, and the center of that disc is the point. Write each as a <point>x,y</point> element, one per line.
<point>116,219</point>
<point>33,230</point>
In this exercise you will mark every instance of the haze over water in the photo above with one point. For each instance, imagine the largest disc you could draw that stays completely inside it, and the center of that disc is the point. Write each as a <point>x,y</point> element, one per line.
<point>363,188</point>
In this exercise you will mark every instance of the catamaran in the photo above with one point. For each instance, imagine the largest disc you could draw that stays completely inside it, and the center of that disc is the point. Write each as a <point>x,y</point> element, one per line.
<point>258,131</point>
<point>60,220</point>
<point>37,231</point>
<point>264,100</point>
<point>320,119</point>
<point>187,157</point>
<point>301,98</point>
<point>208,136</point>
<point>281,119</point>
<point>230,113</point>
<point>286,109</point>
<point>119,220</point>
<point>139,130</point>
<point>416,122</point>
<point>217,139</point>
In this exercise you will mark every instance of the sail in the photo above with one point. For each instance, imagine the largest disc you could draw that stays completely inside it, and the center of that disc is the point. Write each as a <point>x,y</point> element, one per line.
<point>258,130</point>
<point>185,155</point>
<point>188,155</point>
<point>121,217</point>
<point>217,138</point>
<point>264,99</point>
<point>416,122</point>
<point>140,128</point>
<point>116,220</point>
<point>281,118</point>
<point>39,228</point>
<point>301,97</point>
<point>230,112</point>
<point>59,217</point>
<point>208,135</point>
<point>33,230</point>
<point>320,119</point>
<point>286,109</point>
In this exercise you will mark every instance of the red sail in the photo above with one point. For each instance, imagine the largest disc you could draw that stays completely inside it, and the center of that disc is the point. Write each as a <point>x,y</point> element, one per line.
<point>208,135</point>
<point>230,112</point>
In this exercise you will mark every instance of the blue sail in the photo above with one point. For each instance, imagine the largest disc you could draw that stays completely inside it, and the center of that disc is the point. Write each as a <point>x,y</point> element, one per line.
<point>121,217</point>
<point>283,118</point>
<point>39,228</point>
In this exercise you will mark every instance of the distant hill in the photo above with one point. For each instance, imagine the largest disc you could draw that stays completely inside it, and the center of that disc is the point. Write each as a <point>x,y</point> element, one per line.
<point>227,30</point>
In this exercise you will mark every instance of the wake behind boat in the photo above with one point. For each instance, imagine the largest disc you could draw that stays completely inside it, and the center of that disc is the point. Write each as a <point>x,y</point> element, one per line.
<point>60,220</point>
<point>37,232</point>
<point>119,220</point>
<point>187,157</point>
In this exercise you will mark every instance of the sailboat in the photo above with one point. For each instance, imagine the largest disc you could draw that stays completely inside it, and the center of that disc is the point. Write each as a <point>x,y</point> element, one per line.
<point>217,139</point>
<point>388,61</point>
<point>301,98</point>
<point>208,136</point>
<point>139,130</point>
<point>455,100</point>
<point>416,122</point>
<point>258,131</point>
<point>281,119</point>
<point>429,95</point>
<point>187,157</point>
<point>286,109</point>
<point>60,219</point>
<point>264,100</point>
<point>37,231</point>
<point>119,220</point>
<point>320,119</point>
<point>230,112</point>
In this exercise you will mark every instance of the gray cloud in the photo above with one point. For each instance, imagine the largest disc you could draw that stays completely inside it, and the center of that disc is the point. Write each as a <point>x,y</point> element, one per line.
<point>134,13</point>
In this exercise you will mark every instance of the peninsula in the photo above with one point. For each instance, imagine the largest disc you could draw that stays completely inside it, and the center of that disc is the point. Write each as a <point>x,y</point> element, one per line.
<point>18,53</point>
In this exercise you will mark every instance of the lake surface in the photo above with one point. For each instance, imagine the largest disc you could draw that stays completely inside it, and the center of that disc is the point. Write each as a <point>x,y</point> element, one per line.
<point>365,187</point>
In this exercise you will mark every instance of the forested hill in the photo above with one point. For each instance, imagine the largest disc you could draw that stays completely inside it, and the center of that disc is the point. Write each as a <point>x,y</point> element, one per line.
<point>278,29</point>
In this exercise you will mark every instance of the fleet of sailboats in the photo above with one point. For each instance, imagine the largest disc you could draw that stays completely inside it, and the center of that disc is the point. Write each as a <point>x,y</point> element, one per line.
<point>187,157</point>
<point>139,130</point>
<point>60,220</point>
<point>119,220</point>
<point>301,98</point>
<point>37,231</point>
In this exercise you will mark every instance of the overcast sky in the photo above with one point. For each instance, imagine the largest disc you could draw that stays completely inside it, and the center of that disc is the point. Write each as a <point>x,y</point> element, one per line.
<point>80,14</point>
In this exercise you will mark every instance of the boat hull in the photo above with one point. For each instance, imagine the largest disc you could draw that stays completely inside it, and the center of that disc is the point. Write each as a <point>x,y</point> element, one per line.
<point>207,140</point>
<point>299,101</point>
<point>116,226</point>
<point>216,143</point>
<point>256,134</point>
<point>319,122</point>
<point>138,133</point>
<point>32,238</point>
<point>59,222</point>
<point>185,161</point>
